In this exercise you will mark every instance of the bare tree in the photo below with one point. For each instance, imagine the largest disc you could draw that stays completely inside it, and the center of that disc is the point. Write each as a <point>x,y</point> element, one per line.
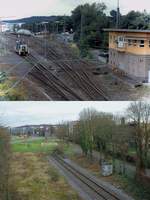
<point>103,133</point>
<point>120,141</point>
<point>87,129</point>
<point>139,113</point>
<point>63,131</point>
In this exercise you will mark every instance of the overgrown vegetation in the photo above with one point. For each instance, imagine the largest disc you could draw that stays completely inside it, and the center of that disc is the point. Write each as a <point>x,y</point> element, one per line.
<point>15,94</point>
<point>5,155</point>
<point>26,173</point>
<point>133,188</point>
<point>126,137</point>
<point>139,191</point>
<point>33,177</point>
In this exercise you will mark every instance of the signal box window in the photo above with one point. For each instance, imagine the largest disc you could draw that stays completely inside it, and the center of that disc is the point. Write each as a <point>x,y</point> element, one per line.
<point>141,43</point>
<point>129,42</point>
<point>135,42</point>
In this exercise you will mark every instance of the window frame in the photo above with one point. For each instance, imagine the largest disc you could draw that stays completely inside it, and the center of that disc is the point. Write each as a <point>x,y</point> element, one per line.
<point>141,45</point>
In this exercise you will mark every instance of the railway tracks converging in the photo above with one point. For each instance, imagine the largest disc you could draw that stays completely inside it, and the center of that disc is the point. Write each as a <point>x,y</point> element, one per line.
<point>51,81</point>
<point>75,70</point>
<point>76,83</point>
<point>99,190</point>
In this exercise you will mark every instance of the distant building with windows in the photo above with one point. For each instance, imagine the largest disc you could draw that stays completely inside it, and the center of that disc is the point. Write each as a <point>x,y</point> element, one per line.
<point>129,51</point>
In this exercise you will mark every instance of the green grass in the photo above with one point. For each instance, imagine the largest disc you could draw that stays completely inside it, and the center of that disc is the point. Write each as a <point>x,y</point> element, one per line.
<point>34,145</point>
<point>69,149</point>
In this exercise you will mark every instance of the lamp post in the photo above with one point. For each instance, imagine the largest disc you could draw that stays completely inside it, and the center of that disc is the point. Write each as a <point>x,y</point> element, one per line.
<point>57,27</point>
<point>118,14</point>
<point>45,29</point>
<point>81,31</point>
<point>64,26</point>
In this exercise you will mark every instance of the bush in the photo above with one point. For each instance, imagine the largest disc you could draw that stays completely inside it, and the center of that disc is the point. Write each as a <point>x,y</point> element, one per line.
<point>59,150</point>
<point>54,176</point>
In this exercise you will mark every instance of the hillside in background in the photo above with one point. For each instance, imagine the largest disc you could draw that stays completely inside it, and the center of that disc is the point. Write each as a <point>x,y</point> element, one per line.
<point>34,19</point>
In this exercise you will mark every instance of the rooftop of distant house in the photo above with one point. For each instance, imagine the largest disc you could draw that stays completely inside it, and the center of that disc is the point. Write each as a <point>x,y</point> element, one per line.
<point>127,30</point>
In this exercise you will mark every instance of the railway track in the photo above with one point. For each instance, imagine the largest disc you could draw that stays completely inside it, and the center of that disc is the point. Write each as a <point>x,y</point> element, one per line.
<point>80,77</point>
<point>43,73</point>
<point>82,80</point>
<point>101,192</point>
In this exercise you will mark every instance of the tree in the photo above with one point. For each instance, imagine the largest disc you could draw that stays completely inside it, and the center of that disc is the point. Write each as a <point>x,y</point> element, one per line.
<point>103,132</point>
<point>63,131</point>
<point>139,113</point>
<point>113,18</point>
<point>86,130</point>
<point>136,20</point>
<point>120,141</point>
<point>89,21</point>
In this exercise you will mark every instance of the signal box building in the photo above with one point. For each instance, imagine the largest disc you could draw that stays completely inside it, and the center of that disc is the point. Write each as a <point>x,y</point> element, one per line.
<point>129,51</point>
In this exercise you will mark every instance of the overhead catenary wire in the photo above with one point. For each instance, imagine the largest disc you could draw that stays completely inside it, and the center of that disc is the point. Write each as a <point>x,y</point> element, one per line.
<point>80,79</point>
<point>12,68</point>
<point>17,82</point>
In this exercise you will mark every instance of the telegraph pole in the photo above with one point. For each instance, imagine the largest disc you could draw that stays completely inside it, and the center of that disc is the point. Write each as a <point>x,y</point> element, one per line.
<point>64,26</point>
<point>118,15</point>
<point>45,31</point>
<point>81,31</point>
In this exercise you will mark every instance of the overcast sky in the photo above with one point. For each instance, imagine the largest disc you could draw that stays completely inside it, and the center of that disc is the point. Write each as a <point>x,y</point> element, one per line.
<point>19,8</point>
<point>24,113</point>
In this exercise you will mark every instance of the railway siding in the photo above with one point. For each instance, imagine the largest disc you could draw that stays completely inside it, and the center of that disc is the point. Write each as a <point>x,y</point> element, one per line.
<point>102,190</point>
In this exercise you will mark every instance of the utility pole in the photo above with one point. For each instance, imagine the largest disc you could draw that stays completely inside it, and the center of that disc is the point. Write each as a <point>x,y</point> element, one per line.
<point>64,27</point>
<point>118,15</point>
<point>57,27</point>
<point>45,41</point>
<point>45,26</point>
<point>81,31</point>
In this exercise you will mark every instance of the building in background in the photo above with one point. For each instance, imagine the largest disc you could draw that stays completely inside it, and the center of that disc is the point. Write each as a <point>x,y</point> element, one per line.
<point>44,130</point>
<point>129,51</point>
<point>5,26</point>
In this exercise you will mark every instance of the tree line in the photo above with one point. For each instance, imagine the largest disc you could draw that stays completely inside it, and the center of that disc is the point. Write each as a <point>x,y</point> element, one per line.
<point>88,21</point>
<point>113,136</point>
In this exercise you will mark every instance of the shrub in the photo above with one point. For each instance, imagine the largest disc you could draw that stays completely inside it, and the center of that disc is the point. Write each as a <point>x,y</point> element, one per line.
<point>59,150</point>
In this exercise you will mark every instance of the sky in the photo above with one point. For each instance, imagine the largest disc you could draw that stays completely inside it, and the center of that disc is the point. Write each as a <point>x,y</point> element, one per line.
<point>26,113</point>
<point>18,9</point>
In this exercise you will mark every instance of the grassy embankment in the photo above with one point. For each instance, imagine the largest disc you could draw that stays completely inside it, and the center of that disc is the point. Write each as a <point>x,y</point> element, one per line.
<point>35,150</point>
<point>15,94</point>
<point>32,176</point>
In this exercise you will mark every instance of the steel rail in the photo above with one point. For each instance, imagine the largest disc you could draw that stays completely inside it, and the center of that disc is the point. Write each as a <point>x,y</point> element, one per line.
<point>84,84</point>
<point>82,79</point>
<point>88,181</point>
<point>53,80</point>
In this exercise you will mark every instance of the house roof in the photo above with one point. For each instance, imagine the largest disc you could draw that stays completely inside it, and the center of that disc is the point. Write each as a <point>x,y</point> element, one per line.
<point>127,30</point>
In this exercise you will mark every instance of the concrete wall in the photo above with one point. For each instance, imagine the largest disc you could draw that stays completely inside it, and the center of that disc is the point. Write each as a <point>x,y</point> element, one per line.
<point>136,66</point>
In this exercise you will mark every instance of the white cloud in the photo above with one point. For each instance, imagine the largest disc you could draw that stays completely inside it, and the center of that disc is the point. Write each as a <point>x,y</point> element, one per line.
<point>20,8</point>
<point>21,113</point>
